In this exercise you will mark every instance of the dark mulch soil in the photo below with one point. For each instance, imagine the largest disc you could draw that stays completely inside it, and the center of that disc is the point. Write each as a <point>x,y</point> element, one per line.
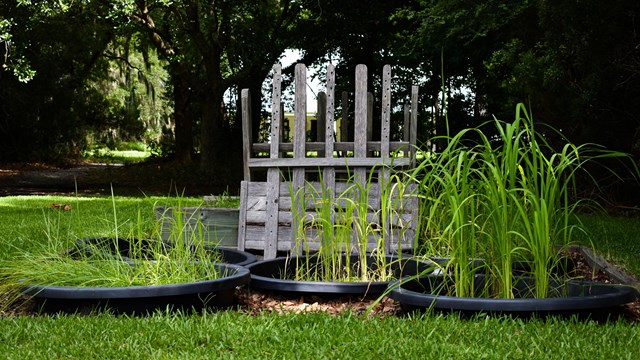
<point>254,302</point>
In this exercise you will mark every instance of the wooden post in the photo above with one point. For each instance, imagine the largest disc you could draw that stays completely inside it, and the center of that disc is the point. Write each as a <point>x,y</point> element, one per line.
<point>361,102</point>
<point>242,218</point>
<point>360,137</point>
<point>299,144</point>
<point>321,115</point>
<point>383,174</point>
<point>329,172</point>
<point>273,174</point>
<point>245,99</point>
<point>407,120</point>
<point>344,121</point>
<point>414,124</point>
<point>283,137</point>
<point>370,119</point>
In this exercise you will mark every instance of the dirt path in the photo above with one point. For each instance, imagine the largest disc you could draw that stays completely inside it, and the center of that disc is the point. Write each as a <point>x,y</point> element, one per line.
<point>25,179</point>
<point>136,179</point>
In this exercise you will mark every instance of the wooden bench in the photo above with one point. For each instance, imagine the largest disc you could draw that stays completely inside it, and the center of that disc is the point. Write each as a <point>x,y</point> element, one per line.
<point>269,210</point>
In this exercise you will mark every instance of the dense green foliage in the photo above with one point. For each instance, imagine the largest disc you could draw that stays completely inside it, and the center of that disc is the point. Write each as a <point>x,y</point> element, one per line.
<point>169,73</point>
<point>26,220</point>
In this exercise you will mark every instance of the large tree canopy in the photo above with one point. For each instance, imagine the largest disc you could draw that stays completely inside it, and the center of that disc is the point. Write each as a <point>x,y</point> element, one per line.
<point>47,53</point>
<point>576,63</point>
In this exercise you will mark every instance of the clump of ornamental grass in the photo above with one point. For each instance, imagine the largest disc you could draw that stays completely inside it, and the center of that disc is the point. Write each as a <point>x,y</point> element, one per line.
<point>147,259</point>
<point>345,237</point>
<point>501,199</point>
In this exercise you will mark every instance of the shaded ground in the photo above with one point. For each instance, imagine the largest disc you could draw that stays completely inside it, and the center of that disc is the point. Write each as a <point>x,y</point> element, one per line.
<point>151,178</point>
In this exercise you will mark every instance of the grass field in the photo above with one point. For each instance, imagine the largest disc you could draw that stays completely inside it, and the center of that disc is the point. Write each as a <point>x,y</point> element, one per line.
<point>235,334</point>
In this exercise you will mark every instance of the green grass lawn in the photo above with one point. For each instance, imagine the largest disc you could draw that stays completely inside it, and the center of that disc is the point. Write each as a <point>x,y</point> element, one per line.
<point>234,334</point>
<point>128,155</point>
<point>230,334</point>
<point>616,238</point>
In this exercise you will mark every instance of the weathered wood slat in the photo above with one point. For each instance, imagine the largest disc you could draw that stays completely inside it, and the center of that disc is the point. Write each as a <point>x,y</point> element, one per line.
<point>321,124</point>
<point>360,132</point>
<point>337,146</point>
<point>369,120</point>
<point>406,110</point>
<point>254,241</point>
<point>258,188</point>
<point>344,122</point>
<point>276,94</point>
<point>242,218</point>
<point>385,134</point>
<point>322,162</point>
<point>245,99</point>
<point>299,137</point>
<point>273,174</point>
<point>403,220</point>
<point>329,172</point>
<point>413,131</point>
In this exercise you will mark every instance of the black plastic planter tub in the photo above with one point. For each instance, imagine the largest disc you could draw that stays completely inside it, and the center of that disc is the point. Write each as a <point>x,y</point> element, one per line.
<point>121,248</point>
<point>271,275</point>
<point>233,256</point>
<point>142,299</point>
<point>577,296</point>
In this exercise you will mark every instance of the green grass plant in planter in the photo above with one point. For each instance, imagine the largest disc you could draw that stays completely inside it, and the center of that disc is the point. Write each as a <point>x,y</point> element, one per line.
<point>217,220</point>
<point>503,198</point>
<point>150,270</point>
<point>342,241</point>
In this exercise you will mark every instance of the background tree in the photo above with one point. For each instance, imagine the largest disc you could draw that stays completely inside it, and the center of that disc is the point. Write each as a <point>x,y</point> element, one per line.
<point>48,51</point>
<point>212,47</point>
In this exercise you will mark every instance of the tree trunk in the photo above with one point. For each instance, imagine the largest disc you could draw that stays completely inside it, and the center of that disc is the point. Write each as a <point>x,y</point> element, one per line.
<point>182,113</point>
<point>212,137</point>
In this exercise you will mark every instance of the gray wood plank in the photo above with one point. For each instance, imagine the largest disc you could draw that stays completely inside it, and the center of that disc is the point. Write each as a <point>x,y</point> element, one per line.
<point>314,163</point>
<point>385,131</point>
<point>321,124</point>
<point>406,124</point>
<point>344,119</point>
<point>270,232</point>
<point>414,124</point>
<point>329,172</point>
<point>370,120</point>
<point>385,135</point>
<point>299,139</point>
<point>360,135</point>
<point>337,146</point>
<point>242,218</point>
<point>276,116</point>
<point>246,132</point>
<point>273,174</point>
<point>360,128</point>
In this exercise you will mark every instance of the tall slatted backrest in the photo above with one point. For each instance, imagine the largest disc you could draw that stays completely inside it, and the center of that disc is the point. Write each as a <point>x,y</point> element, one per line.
<point>269,210</point>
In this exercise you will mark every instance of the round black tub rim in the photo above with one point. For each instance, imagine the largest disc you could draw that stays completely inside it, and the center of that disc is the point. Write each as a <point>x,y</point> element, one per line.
<point>236,276</point>
<point>229,255</point>
<point>318,287</point>
<point>615,295</point>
